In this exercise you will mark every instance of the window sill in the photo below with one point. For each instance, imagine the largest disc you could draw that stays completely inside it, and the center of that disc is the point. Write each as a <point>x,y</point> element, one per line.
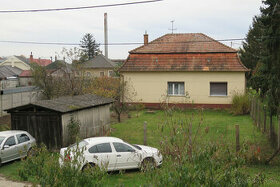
<point>176,95</point>
<point>218,96</point>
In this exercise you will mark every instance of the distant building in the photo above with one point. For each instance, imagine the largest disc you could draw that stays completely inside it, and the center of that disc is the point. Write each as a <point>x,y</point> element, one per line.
<point>22,62</point>
<point>99,66</point>
<point>9,77</point>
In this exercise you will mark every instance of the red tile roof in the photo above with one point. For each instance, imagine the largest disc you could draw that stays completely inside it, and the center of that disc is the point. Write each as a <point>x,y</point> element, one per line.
<point>176,52</point>
<point>184,62</point>
<point>26,73</point>
<point>41,62</point>
<point>184,43</point>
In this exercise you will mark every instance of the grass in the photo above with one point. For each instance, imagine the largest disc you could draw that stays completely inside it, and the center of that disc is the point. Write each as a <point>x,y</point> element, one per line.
<point>217,125</point>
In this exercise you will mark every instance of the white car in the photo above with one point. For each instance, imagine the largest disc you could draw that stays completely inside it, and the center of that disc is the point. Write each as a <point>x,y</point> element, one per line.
<point>112,153</point>
<point>15,144</point>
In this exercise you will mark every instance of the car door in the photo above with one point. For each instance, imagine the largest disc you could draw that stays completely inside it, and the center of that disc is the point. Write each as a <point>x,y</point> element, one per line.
<point>11,152</point>
<point>102,155</point>
<point>127,156</point>
<point>23,144</point>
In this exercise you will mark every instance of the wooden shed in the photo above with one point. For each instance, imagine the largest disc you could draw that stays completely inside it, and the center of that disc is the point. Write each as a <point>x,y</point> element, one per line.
<point>47,120</point>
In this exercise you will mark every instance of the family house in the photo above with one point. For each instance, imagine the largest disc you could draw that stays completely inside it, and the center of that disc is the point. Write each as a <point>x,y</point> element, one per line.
<point>9,77</point>
<point>99,66</point>
<point>24,63</point>
<point>184,69</point>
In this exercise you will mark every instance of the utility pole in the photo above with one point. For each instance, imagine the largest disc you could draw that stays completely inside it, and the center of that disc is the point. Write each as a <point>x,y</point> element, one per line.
<point>172,28</point>
<point>105,35</point>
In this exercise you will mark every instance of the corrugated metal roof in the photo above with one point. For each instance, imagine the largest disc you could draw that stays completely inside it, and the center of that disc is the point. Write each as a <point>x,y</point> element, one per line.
<point>9,71</point>
<point>19,90</point>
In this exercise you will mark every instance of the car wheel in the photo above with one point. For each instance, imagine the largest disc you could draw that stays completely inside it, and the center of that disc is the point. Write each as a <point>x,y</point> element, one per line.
<point>148,164</point>
<point>88,166</point>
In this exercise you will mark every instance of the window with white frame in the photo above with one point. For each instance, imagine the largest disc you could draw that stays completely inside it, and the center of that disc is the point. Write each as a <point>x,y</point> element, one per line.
<point>176,88</point>
<point>218,88</point>
<point>101,73</point>
<point>111,73</point>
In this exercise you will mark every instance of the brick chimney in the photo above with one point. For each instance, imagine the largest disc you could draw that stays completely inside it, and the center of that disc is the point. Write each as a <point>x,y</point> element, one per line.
<point>31,57</point>
<point>146,38</point>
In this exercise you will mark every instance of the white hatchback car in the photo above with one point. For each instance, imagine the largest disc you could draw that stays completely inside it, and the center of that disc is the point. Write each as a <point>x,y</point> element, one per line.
<point>114,154</point>
<point>15,144</point>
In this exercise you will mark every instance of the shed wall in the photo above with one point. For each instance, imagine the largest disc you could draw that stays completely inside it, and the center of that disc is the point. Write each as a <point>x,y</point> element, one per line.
<point>94,122</point>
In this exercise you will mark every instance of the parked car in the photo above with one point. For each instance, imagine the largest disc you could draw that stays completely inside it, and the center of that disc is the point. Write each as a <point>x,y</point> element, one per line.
<point>112,153</point>
<point>15,144</point>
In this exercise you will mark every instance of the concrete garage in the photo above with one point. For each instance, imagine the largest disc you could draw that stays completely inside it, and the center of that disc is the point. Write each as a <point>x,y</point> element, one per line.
<point>47,120</point>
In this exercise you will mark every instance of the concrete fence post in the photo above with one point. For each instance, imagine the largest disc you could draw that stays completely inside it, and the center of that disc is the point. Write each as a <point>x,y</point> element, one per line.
<point>237,138</point>
<point>264,118</point>
<point>145,132</point>
<point>278,134</point>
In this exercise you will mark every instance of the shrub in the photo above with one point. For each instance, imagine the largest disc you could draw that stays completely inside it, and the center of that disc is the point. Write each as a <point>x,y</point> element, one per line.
<point>44,167</point>
<point>240,104</point>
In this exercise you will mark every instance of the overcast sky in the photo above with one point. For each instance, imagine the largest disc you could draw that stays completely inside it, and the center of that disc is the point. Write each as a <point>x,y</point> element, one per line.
<point>219,19</point>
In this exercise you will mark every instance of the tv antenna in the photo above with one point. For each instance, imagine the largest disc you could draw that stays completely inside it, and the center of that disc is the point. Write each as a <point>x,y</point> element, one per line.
<point>172,28</point>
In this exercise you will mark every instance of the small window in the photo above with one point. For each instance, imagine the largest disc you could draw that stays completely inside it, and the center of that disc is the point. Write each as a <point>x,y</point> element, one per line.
<point>111,73</point>
<point>101,148</point>
<point>22,138</point>
<point>176,88</point>
<point>88,74</point>
<point>10,141</point>
<point>120,147</point>
<point>102,74</point>
<point>218,88</point>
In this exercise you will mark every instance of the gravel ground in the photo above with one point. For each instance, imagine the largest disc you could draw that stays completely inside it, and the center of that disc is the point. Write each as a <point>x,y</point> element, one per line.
<point>8,183</point>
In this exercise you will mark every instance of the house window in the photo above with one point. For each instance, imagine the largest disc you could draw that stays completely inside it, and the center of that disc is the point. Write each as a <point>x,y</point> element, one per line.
<point>102,74</point>
<point>111,73</point>
<point>218,88</point>
<point>88,74</point>
<point>176,88</point>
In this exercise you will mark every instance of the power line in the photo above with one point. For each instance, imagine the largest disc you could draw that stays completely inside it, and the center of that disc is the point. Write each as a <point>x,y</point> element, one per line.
<point>118,43</point>
<point>78,8</point>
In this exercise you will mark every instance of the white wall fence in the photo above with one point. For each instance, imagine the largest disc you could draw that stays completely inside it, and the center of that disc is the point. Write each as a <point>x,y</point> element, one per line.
<point>10,98</point>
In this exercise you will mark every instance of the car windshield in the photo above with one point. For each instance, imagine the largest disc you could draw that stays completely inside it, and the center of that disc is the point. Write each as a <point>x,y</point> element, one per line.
<point>1,139</point>
<point>136,146</point>
<point>80,145</point>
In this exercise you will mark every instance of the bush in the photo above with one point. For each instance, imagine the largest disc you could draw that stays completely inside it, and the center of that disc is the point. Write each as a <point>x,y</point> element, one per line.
<point>44,167</point>
<point>240,104</point>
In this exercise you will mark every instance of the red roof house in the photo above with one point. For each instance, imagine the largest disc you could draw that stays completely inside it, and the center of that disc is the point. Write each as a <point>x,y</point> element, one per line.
<point>179,65</point>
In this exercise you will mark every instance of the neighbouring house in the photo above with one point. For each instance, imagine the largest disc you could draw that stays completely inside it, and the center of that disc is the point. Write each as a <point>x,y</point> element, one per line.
<point>23,63</point>
<point>47,120</point>
<point>25,78</point>
<point>184,69</point>
<point>100,66</point>
<point>9,77</point>
<point>59,68</point>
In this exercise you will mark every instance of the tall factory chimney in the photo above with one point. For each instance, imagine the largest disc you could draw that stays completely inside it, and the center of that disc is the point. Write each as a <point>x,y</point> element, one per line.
<point>105,35</point>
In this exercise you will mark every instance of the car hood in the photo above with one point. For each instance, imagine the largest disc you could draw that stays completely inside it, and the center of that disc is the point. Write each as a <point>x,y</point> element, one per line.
<point>148,149</point>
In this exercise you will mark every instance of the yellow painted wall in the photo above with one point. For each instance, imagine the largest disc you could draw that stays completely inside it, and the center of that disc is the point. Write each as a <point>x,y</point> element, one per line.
<point>151,87</point>
<point>15,62</point>
<point>96,72</point>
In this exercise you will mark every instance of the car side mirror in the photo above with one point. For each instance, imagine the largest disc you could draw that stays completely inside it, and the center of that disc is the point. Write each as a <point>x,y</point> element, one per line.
<point>6,147</point>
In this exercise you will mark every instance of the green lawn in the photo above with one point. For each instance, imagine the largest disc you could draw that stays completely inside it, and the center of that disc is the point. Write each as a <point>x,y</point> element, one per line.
<point>219,124</point>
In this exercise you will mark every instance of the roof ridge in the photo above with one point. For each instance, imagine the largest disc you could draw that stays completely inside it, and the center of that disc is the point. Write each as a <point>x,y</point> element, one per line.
<point>148,43</point>
<point>234,50</point>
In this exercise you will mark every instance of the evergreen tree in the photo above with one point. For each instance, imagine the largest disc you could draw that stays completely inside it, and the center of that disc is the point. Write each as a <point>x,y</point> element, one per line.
<point>271,61</point>
<point>89,46</point>
<point>250,54</point>
<point>267,75</point>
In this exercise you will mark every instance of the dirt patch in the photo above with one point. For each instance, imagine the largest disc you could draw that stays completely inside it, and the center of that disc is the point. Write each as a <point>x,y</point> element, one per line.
<point>5,183</point>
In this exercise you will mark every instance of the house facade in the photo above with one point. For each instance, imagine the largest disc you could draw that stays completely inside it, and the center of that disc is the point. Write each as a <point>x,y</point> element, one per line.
<point>184,69</point>
<point>99,66</point>
<point>23,63</point>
